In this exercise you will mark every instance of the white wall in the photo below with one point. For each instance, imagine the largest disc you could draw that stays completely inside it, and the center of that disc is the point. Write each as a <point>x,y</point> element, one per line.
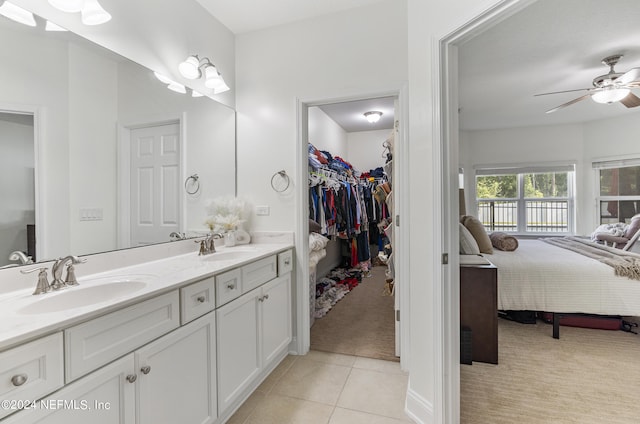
<point>364,149</point>
<point>325,134</point>
<point>17,208</point>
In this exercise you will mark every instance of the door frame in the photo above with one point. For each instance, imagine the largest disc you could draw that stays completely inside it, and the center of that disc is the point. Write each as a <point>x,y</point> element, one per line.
<point>302,332</point>
<point>40,203</point>
<point>124,172</point>
<point>446,130</point>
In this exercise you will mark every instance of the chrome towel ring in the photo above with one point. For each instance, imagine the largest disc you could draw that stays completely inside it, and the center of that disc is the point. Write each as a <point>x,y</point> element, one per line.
<point>280,181</point>
<point>192,184</point>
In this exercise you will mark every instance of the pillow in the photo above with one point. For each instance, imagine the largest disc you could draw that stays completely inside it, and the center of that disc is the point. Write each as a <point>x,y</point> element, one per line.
<point>503,241</point>
<point>478,232</point>
<point>468,245</point>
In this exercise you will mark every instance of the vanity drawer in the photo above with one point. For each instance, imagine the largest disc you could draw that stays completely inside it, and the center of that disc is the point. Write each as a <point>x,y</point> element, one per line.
<point>228,286</point>
<point>285,262</point>
<point>197,299</point>
<point>31,371</point>
<point>94,343</point>
<point>259,272</point>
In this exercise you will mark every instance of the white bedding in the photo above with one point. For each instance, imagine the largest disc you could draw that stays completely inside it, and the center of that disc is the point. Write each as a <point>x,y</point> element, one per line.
<point>541,277</point>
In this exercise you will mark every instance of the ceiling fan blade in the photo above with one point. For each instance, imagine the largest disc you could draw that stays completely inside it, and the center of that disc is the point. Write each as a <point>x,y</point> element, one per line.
<point>566,91</point>
<point>631,100</point>
<point>586,96</point>
<point>629,76</point>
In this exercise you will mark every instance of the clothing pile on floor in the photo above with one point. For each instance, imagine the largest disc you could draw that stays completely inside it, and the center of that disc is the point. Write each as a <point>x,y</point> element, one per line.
<point>333,287</point>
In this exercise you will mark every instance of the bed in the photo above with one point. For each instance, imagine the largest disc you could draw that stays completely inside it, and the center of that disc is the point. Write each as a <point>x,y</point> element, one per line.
<point>542,277</point>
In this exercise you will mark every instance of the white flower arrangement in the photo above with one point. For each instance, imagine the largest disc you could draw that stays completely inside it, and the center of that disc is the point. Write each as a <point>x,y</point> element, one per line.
<point>225,213</point>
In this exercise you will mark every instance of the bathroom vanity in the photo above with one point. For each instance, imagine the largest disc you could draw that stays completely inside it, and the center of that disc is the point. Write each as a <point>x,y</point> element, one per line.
<point>183,339</point>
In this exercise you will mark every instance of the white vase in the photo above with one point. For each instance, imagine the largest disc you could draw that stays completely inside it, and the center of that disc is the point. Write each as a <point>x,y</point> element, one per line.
<point>242,236</point>
<point>230,238</point>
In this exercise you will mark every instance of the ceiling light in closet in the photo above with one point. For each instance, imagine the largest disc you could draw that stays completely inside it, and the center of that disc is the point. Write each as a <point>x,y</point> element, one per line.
<point>373,116</point>
<point>16,13</point>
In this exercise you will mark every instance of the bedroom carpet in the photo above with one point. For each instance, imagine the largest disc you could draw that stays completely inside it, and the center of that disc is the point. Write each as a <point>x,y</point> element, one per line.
<point>361,324</point>
<point>587,376</point>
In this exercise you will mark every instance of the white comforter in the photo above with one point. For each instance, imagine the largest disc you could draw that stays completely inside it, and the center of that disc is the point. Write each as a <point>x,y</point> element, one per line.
<point>541,277</point>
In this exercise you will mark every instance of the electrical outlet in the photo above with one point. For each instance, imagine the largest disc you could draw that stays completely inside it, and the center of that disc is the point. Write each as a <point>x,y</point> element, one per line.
<point>262,210</point>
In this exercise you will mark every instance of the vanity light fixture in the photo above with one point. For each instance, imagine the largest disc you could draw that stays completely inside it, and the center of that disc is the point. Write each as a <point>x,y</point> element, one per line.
<point>171,84</point>
<point>195,93</point>
<point>16,13</point>
<point>50,26</point>
<point>193,68</point>
<point>91,11</point>
<point>373,116</point>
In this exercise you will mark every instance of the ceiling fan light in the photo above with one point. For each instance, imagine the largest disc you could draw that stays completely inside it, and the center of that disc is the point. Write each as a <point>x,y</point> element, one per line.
<point>610,95</point>
<point>17,14</point>
<point>190,68</point>
<point>70,6</point>
<point>373,116</point>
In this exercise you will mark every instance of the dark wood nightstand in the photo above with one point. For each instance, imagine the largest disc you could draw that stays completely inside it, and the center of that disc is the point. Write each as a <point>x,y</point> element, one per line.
<point>479,309</point>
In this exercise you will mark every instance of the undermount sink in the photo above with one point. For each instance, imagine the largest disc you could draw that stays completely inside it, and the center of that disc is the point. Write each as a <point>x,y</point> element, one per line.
<point>83,295</point>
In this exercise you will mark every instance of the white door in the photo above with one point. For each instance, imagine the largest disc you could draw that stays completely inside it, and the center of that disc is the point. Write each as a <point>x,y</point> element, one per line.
<point>155,183</point>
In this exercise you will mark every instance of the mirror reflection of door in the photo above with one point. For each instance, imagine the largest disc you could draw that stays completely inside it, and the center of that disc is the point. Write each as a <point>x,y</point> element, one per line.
<point>17,184</point>
<point>155,183</point>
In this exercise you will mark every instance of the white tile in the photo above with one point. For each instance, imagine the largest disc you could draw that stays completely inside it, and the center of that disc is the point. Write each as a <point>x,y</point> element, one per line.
<point>348,416</point>
<point>331,358</point>
<point>275,376</point>
<point>375,392</point>
<point>312,380</point>
<point>241,415</point>
<point>277,409</point>
<point>379,365</point>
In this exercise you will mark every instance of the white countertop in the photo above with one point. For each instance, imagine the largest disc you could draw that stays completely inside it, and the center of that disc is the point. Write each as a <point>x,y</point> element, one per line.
<point>22,318</point>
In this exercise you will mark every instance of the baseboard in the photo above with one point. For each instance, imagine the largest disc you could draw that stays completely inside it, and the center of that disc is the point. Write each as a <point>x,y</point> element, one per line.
<point>418,409</point>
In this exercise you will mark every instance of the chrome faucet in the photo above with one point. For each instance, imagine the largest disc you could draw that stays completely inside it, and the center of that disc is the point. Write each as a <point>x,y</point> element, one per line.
<point>56,271</point>
<point>20,256</point>
<point>207,244</point>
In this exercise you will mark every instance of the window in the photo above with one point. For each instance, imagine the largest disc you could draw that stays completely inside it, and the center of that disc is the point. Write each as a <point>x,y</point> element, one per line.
<point>618,190</point>
<point>526,200</point>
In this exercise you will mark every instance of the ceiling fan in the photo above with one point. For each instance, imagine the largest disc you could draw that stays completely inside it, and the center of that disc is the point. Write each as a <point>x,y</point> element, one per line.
<point>609,88</point>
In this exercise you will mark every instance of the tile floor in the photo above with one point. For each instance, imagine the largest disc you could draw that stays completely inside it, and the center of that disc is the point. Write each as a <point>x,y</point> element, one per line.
<point>328,388</point>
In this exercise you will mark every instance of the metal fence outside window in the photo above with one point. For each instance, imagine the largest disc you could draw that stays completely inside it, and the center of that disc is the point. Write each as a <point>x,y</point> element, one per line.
<point>542,216</point>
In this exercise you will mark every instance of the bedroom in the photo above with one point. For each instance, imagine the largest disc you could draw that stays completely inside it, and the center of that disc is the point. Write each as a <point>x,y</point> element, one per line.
<point>509,128</point>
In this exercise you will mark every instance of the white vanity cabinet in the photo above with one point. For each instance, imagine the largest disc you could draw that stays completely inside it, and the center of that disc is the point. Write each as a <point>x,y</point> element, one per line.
<point>253,331</point>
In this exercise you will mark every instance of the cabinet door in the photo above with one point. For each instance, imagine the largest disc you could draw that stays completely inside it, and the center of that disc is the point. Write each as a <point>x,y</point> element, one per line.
<point>176,376</point>
<point>276,317</point>
<point>238,347</point>
<point>102,397</point>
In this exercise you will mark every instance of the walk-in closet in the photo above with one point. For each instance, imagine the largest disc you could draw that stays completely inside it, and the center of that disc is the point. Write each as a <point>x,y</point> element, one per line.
<point>352,283</point>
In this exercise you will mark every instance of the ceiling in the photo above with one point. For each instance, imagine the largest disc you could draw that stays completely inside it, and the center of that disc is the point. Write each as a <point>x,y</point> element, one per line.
<point>350,115</point>
<point>549,46</point>
<point>242,16</point>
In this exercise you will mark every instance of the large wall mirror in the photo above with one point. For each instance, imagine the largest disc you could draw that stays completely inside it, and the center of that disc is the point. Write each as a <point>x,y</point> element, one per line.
<point>97,153</point>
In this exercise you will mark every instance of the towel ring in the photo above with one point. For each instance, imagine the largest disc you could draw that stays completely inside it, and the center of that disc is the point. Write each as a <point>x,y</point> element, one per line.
<point>281,184</point>
<point>195,184</point>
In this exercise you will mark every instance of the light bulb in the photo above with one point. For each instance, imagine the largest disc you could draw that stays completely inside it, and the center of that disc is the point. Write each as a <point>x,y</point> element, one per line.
<point>212,77</point>
<point>190,68</point>
<point>221,88</point>
<point>71,6</point>
<point>93,13</point>
<point>610,94</point>
<point>17,14</point>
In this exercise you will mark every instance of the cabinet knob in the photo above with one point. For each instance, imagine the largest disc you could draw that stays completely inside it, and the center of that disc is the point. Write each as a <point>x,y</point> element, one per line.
<point>131,378</point>
<point>266,296</point>
<point>145,370</point>
<point>19,379</point>
<point>261,299</point>
<point>287,261</point>
<point>231,286</point>
<point>200,299</point>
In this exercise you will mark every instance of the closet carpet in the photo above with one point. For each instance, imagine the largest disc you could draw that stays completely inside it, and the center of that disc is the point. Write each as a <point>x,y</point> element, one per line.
<point>361,324</point>
<point>587,376</point>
